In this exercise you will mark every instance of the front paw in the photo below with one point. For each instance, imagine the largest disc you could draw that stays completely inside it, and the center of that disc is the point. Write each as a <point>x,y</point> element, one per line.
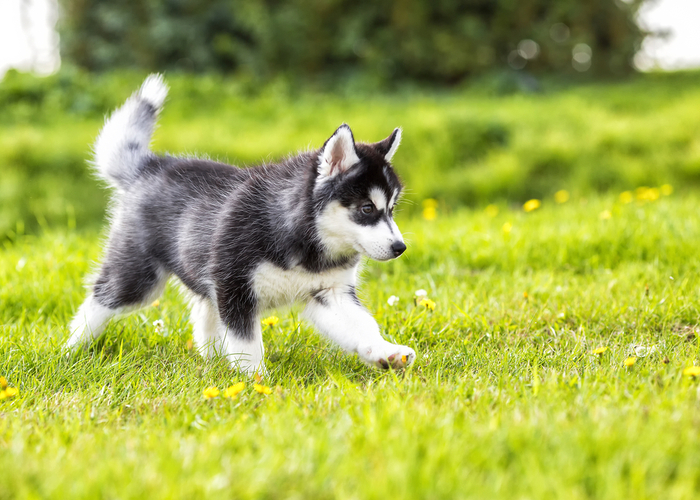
<point>387,356</point>
<point>249,368</point>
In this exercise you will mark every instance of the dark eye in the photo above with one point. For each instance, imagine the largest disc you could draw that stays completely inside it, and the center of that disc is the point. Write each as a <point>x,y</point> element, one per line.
<point>367,209</point>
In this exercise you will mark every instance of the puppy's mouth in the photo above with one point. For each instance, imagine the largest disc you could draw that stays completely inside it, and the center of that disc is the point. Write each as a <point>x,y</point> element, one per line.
<point>380,258</point>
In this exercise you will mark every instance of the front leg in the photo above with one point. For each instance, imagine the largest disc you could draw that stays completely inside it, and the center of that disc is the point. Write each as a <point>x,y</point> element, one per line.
<point>245,352</point>
<point>338,314</point>
<point>241,333</point>
<point>241,342</point>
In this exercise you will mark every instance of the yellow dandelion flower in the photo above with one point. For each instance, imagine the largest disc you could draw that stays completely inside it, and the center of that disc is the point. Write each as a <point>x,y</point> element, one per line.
<point>271,321</point>
<point>3,383</point>
<point>507,228</point>
<point>430,203</point>
<point>561,196</point>
<point>430,206</point>
<point>233,391</point>
<point>605,215</point>
<point>641,193</point>
<point>666,190</point>
<point>189,344</point>
<point>491,210</point>
<point>404,358</point>
<point>262,389</point>
<point>427,303</point>
<point>599,350</point>
<point>647,194</point>
<point>692,371</point>
<point>531,205</point>
<point>11,392</point>
<point>626,197</point>
<point>630,361</point>
<point>156,303</point>
<point>211,392</point>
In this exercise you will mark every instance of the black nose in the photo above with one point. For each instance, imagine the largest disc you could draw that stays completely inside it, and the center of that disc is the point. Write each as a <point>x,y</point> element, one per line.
<point>398,248</point>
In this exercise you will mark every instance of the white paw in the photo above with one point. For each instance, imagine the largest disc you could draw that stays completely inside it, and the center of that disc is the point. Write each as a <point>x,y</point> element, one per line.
<point>79,339</point>
<point>387,355</point>
<point>248,367</point>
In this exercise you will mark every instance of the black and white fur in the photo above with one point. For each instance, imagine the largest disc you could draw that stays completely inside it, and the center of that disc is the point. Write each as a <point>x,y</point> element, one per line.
<point>244,240</point>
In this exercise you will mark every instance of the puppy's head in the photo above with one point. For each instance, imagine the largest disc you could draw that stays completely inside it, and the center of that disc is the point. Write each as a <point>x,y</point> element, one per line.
<point>356,190</point>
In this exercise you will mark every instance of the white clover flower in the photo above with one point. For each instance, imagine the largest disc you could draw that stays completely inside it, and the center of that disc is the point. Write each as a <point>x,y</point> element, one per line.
<point>641,351</point>
<point>159,325</point>
<point>421,293</point>
<point>392,300</point>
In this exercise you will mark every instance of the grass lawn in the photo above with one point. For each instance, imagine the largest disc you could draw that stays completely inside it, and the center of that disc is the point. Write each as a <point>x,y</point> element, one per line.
<point>507,398</point>
<point>466,147</point>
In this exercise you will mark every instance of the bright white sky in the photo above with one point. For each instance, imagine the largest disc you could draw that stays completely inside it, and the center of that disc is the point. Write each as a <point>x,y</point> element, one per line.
<point>37,49</point>
<point>681,49</point>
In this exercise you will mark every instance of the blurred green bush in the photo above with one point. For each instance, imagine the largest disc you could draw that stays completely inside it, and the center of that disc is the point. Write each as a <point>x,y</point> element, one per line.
<point>471,146</point>
<point>331,41</point>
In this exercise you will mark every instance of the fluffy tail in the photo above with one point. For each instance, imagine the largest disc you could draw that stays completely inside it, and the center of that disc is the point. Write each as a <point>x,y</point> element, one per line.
<point>123,145</point>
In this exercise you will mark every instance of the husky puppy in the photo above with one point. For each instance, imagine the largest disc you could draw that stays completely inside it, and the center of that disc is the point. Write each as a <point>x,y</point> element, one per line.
<point>244,240</point>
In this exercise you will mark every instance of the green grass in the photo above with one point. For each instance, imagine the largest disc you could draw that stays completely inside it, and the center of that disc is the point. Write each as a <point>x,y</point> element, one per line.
<point>467,147</point>
<point>505,400</point>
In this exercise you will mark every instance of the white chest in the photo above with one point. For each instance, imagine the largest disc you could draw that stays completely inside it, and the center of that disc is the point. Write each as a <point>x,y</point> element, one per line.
<point>276,287</point>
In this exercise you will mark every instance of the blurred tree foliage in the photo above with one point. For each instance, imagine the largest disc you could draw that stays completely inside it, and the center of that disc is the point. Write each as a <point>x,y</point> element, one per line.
<point>442,41</point>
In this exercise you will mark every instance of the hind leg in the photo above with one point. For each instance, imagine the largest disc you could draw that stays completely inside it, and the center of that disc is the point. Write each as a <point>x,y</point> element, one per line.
<point>121,287</point>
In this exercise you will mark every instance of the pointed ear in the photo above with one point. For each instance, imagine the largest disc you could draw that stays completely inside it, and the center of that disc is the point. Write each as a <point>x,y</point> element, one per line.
<point>388,146</point>
<point>338,153</point>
